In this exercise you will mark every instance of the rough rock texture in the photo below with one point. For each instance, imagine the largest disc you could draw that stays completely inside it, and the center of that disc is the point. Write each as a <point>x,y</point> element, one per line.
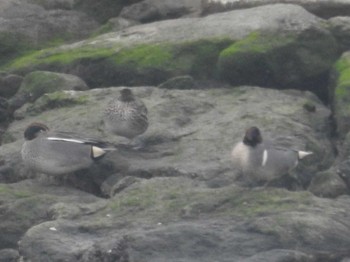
<point>176,119</point>
<point>38,83</point>
<point>26,26</point>
<point>322,8</point>
<point>177,198</point>
<point>9,84</point>
<point>180,189</point>
<point>340,27</point>
<point>153,10</point>
<point>226,224</point>
<point>302,50</point>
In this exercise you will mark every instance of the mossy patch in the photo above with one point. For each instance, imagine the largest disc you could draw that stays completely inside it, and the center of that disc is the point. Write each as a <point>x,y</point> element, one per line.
<point>342,90</point>
<point>342,94</point>
<point>38,83</point>
<point>146,63</point>
<point>172,200</point>
<point>283,60</point>
<point>54,100</point>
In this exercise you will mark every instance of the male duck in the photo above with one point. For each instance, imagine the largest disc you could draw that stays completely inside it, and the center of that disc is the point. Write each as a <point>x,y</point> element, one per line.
<point>261,161</point>
<point>56,153</point>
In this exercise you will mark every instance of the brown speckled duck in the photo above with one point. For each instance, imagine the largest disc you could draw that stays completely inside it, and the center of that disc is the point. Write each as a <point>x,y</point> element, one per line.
<point>126,115</point>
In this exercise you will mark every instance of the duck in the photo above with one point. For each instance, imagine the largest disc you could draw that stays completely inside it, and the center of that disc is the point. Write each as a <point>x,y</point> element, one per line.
<point>57,153</point>
<point>261,162</point>
<point>126,115</point>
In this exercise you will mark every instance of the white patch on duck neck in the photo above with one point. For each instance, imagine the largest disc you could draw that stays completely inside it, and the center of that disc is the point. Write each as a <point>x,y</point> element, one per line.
<point>265,157</point>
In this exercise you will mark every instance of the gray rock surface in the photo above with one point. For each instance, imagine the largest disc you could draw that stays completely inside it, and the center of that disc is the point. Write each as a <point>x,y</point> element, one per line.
<point>208,48</point>
<point>322,8</point>
<point>180,190</point>
<point>178,198</point>
<point>153,10</point>
<point>176,135</point>
<point>340,27</point>
<point>38,83</point>
<point>24,26</point>
<point>9,84</point>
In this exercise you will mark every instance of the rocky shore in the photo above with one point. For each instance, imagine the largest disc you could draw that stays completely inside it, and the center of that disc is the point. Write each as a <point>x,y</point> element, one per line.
<point>206,71</point>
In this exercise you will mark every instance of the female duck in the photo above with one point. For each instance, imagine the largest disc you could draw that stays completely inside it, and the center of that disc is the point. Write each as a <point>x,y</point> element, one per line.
<point>126,115</point>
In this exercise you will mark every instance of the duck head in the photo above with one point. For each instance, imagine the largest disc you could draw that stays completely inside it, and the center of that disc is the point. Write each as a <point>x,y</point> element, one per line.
<point>126,95</point>
<point>33,130</point>
<point>252,137</point>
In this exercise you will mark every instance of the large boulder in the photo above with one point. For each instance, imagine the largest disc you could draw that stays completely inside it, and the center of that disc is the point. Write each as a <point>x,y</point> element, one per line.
<point>322,8</point>
<point>26,26</point>
<point>153,10</point>
<point>180,190</point>
<point>38,83</point>
<point>302,51</point>
<point>9,84</point>
<point>167,219</point>
<point>340,28</point>
<point>176,140</point>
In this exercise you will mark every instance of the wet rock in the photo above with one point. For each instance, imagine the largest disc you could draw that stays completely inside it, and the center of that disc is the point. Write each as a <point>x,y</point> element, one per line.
<point>38,83</point>
<point>9,84</point>
<point>322,8</point>
<point>152,10</point>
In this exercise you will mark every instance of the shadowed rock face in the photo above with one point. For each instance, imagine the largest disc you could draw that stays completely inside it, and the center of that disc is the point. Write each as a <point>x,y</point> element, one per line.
<point>321,8</point>
<point>281,46</point>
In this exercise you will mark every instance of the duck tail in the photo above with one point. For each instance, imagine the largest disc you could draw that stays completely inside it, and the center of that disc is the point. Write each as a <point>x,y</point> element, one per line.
<point>302,154</point>
<point>97,152</point>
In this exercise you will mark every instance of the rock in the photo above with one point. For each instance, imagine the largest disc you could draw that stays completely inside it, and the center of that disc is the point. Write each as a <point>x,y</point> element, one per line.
<point>211,48</point>
<point>26,26</point>
<point>9,84</point>
<point>55,4</point>
<point>343,171</point>
<point>145,222</point>
<point>152,10</point>
<point>328,184</point>
<point>278,255</point>
<point>340,28</point>
<point>38,83</point>
<point>322,8</point>
<point>116,24</point>
<point>102,10</point>
<point>180,190</point>
<point>176,134</point>
<point>9,255</point>
<point>26,203</point>
<point>4,111</point>
<point>179,82</point>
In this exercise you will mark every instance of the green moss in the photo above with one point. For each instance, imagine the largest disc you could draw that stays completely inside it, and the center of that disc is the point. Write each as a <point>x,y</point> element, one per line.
<point>270,201</point>
<point>144,56</point>
<point>342,90</point>
<point>106,28</point>
<point>6,191</point>
<point>173,200</point>
<point>56,100</point>
<point>256,42</point>
<point>38,83</point>
<point>57,56</point>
